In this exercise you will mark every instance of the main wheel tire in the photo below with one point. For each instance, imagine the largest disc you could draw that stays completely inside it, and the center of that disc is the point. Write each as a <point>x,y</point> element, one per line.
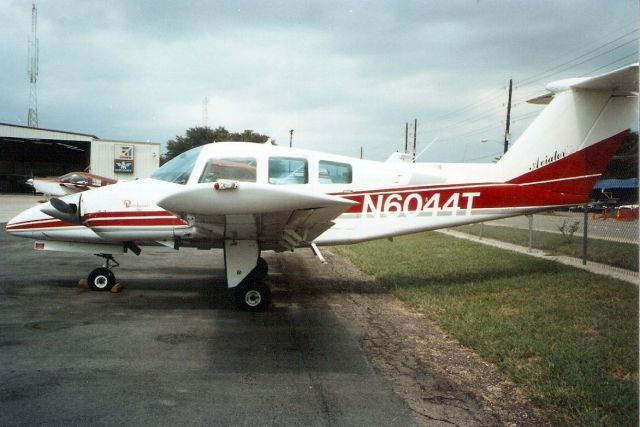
<point>253,296</point>
<point>261,270</point>
<point>101,279</point>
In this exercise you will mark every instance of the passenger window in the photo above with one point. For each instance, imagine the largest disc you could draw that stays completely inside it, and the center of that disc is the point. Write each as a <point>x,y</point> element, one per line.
<point>334,173</point>
<point>287,170</point>
<point>232,168</point>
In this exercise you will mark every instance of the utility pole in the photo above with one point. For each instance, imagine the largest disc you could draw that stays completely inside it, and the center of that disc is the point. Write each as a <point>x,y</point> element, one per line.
<point>361,151</point>
<point>291,138</point>
<point>205,111</point>
<point>32,70</point>
<point>406,137</point>
<point>507,136</point>
<point>415,135</point>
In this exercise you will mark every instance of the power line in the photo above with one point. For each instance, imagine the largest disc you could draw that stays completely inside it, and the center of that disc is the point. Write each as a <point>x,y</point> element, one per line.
<point>467,117</point>
<point>625,58</point>
<point>540,75</point>
<point>472,132</point>
<point>483,157</point>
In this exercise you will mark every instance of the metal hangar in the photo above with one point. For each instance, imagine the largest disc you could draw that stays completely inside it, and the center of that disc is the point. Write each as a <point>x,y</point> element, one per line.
<point>26,152</point>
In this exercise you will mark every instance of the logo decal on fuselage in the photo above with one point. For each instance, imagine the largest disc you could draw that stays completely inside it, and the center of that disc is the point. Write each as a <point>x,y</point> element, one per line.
<point>557,155</point>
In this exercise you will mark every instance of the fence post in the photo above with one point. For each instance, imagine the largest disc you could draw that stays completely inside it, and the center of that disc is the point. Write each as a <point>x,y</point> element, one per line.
<point>585,226</point>
<point>530,231</point>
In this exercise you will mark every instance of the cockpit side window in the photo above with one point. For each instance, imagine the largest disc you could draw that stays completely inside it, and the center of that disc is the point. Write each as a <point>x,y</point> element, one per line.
<point>231,168</point>
<point>288,170</point>
<point>78,179</point>
<point>334,173</point>
<point>179,168</point>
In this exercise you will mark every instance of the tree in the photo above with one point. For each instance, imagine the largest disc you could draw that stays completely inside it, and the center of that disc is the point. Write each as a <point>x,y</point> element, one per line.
<point>197,136</point>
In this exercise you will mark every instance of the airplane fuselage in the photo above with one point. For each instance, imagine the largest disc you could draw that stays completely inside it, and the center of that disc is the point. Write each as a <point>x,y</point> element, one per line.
<point>389,198</point>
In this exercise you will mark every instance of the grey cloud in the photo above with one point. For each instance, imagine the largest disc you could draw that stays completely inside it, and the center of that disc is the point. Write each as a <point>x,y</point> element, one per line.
<point>346,72</point>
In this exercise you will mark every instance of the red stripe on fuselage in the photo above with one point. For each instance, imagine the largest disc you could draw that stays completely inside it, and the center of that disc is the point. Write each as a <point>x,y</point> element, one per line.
<point>560,181</point>
<point>120,214</point>
<point>132,219</point>
<point>144,222</point>
<point>43,223</point>
<point>590,161</point>
<point>478,197</point>
<point>105,219</point>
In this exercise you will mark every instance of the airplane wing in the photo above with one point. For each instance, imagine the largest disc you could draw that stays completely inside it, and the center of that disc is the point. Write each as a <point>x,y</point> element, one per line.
<point>51,187</point>
<point>280,217</point>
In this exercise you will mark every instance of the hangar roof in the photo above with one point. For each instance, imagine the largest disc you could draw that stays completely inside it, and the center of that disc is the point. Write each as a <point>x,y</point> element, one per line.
<point>16,131</point>
<point>8,130</point>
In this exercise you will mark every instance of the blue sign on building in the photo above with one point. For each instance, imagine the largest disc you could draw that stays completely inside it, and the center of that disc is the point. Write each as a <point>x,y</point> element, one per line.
<point>123,166</point>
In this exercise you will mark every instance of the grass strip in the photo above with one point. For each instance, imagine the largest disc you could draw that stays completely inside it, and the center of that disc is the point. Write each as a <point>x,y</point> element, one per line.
<point>567,337</point>
<point>617,254</point>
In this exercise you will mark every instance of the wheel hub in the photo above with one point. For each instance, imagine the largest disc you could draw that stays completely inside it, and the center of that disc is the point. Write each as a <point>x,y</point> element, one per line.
<point>101,281</point>
<point>253,298</point>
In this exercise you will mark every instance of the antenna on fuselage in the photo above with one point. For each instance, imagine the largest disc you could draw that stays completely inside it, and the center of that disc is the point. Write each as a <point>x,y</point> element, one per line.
<point>426,148</point>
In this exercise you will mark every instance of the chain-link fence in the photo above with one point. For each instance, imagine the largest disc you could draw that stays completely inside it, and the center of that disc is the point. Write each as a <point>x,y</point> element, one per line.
<point>611,237</point>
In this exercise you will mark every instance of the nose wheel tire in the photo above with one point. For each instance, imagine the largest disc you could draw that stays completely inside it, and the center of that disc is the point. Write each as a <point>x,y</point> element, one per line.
<point>253,296</point>
<point>101,279</point>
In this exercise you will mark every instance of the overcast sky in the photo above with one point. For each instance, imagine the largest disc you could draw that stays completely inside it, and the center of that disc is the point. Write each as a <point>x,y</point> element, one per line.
<point>342,74</point>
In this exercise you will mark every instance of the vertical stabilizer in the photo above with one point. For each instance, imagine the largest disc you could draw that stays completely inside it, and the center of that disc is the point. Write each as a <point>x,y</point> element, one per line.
<point>571,142</point>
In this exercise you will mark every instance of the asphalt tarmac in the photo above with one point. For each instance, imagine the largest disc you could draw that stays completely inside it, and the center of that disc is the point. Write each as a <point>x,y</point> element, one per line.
<point>171,349</point>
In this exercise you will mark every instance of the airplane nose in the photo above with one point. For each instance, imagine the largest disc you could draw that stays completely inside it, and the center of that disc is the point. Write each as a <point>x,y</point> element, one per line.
<point>11,224</point>
<point>21,224</point>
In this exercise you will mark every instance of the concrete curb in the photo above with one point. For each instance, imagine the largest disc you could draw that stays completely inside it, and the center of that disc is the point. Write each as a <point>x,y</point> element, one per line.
<point>593,267</point>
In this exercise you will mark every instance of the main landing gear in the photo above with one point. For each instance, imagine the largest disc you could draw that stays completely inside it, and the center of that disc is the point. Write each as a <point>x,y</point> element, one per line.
<point>102,278</point>
<point>252,296</point>
<point>245,271</point>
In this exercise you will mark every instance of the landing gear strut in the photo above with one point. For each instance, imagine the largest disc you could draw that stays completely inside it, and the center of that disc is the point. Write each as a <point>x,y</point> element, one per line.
<point>261,270</point>
<point>245,270</point>
<point>102,278</point>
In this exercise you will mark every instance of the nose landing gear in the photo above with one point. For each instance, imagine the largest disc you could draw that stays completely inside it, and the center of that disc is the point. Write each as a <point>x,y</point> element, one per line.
<point>102,278</point>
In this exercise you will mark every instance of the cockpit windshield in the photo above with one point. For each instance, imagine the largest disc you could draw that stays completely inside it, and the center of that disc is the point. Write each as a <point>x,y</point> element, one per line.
<point>179,168</point>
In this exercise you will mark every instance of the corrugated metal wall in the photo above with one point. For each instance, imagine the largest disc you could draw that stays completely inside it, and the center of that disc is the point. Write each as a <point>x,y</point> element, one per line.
<point>146,159</point>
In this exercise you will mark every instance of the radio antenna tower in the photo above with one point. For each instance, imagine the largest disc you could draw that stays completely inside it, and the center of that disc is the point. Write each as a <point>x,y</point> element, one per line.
<point>32,70</point>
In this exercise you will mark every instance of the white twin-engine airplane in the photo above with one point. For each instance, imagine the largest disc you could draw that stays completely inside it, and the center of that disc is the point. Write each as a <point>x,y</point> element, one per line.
<point>246,198</point>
